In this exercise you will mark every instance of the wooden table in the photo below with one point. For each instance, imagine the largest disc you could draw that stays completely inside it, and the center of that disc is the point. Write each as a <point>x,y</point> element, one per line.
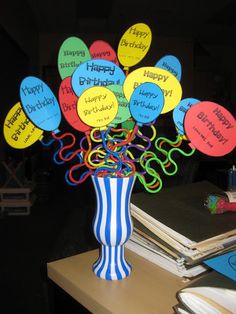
<point>149,289</point>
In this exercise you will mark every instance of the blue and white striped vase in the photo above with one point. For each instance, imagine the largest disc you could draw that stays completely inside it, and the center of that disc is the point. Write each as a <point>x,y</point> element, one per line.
<point>112,225</point>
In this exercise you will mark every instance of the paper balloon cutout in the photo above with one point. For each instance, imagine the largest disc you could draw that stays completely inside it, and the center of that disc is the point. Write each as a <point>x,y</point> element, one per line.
<point>72,53</point>
<point>165,80</point>
<point>146,103</point>
<point>102,50</point>
<point>40,104</point>
<point>68,103</point>
<point>128,124</point>
<point>210,128</point>
<point>134,44</point>
<point>96,73</point>
<point>97,106</point>
<point>18,130</point>
<point>180,111</point>
<point>171,64</point>
<point>123,105</point>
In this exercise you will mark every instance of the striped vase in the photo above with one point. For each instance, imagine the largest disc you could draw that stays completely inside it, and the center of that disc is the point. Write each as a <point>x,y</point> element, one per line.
<point>112,225</point>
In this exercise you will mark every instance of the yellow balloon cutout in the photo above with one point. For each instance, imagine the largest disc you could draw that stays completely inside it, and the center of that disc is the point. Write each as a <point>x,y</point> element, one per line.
<point>134,44</point>
<point>97,106</point>
<point>18,130</point>
<point>165,80</point>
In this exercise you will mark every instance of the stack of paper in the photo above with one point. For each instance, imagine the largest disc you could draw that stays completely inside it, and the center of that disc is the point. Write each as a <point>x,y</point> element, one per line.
<point>174,230</point>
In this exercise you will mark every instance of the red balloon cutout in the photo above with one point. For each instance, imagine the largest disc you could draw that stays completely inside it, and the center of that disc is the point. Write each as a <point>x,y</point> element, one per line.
<point>102,50</point>
<point>68,104</point>
<point>210,128</point>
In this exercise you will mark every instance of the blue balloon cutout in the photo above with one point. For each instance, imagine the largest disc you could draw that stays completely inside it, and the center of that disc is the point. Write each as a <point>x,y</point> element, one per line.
<point>146,103</point>
<point>180,111</point>
<point>96,72</point>
<point>40,104</point>
<point>171,64</point>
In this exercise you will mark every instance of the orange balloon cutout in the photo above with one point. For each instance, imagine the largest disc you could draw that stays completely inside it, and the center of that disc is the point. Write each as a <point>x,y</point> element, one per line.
<point>210,128</point>
<point>134,44</point>
<point>100,49</point>
<point>68,104</point>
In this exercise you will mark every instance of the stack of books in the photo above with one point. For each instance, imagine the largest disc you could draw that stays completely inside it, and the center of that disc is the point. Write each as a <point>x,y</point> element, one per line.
<point>174,229</point>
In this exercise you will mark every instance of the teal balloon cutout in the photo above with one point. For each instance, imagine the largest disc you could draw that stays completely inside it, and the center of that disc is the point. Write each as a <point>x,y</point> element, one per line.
<point>40,104</point>
<point>123,113</point>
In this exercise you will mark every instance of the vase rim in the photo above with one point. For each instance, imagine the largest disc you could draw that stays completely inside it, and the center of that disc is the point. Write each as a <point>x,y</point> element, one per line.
<point>115,178</point>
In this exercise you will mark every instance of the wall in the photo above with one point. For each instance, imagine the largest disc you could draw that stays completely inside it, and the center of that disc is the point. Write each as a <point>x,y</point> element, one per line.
<point>19,24</point>
<point>19,57</point>
<point>215,75</point>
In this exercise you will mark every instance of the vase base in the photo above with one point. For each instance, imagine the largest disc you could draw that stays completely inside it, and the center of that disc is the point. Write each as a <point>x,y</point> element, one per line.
<point>112,264</point>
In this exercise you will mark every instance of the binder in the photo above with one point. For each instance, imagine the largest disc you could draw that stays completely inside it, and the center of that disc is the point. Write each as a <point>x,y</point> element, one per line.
<point>211,291</point>
<point>175,225</point>
<point>180,214</point>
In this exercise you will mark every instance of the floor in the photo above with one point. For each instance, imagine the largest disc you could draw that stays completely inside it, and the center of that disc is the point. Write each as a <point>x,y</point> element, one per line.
<point>58,226</point>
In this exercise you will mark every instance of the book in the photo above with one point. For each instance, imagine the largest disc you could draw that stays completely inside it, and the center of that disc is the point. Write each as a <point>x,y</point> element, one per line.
<point>189,256</point>
<point>178,233</point>
<point>166,258</point>
<point>158,256</point>
<point>211,293</point>
<point>177,215</point>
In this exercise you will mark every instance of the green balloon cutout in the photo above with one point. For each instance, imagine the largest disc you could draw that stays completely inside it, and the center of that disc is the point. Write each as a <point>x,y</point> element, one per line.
<point>123,113</point>
<point>128,124</point>
<point>72,53</point>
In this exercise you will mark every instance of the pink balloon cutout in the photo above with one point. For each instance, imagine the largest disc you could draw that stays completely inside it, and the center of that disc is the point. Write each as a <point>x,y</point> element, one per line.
<point>210,128</point>
<point>68,104</point>
<point>100,49</point>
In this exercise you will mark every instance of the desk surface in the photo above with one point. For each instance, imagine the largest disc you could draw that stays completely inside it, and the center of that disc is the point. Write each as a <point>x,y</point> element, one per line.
<point>149,289</point>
